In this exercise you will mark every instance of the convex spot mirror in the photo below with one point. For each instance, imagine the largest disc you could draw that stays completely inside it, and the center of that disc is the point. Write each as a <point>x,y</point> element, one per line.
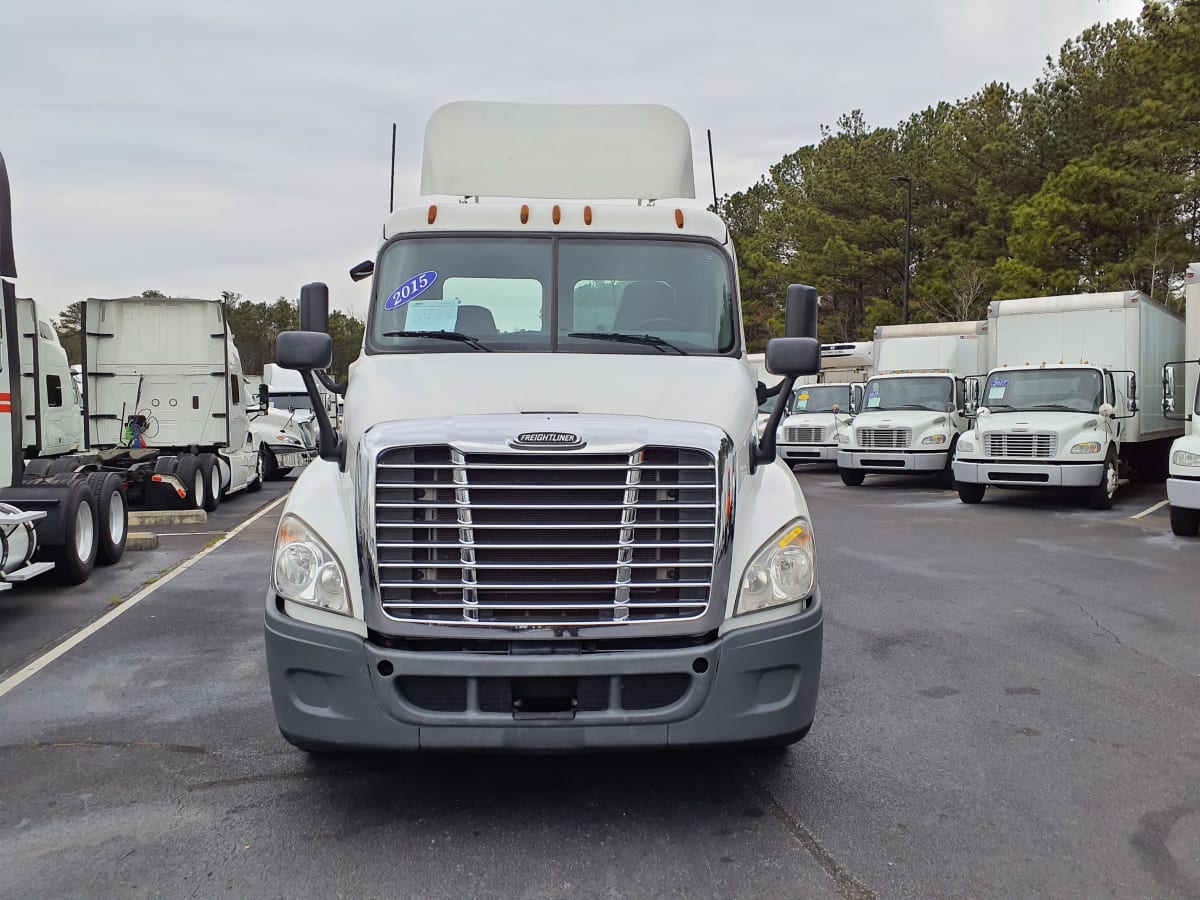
<point>363,270</point>
<point>1107,410</point>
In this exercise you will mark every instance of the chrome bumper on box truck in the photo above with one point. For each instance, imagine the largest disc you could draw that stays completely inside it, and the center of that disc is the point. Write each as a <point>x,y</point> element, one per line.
<point>801,453</point>
<point>1183,492</point>
<point>1028,474</point>
<point>893,460</point>
<point>335,690</point>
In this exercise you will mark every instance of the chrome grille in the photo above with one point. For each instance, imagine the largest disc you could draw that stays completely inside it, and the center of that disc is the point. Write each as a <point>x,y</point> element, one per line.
<point>884,437</point>
<point>544,539</point>
<point>803,434</point>
<point>1031,445</point>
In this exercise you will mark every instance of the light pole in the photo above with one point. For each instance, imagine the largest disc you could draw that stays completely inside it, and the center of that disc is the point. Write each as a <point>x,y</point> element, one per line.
<point>907,239</point>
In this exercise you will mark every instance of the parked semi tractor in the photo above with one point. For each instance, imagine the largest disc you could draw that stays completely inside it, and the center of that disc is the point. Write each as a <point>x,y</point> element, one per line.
<point>66,521</point>
<point>53,408</point>
<point>1061,407</point>
<point>284,421</point>
<point>1181,402</point>
<point>546,522</point>
<point>820,412</point>
<point>165,400</point>
<point>913,408</point>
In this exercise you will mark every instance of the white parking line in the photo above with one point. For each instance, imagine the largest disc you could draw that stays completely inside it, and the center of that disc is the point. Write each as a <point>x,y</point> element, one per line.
<point>35,666</point>
<point>1146,512</point>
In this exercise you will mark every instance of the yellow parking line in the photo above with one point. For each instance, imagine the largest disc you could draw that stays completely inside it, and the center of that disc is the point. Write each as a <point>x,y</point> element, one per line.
<point>1146,512</point>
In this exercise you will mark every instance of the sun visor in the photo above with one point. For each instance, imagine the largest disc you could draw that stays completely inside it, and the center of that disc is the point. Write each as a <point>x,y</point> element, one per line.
<point>557,152</point>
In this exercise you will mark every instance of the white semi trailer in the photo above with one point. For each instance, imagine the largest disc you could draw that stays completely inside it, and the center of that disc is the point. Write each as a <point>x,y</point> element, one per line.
<point>1181,382</point>
<point>913,408</point>
<point>524,535</point>
<point>164,396</point>
<point>820,412</point>
<point>1061,405</point>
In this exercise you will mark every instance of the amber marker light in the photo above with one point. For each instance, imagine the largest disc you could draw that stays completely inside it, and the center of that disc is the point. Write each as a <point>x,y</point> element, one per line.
<point>679,218</point>
<point>524,213</point>
<point>556,214</point>
<point>432,214</point>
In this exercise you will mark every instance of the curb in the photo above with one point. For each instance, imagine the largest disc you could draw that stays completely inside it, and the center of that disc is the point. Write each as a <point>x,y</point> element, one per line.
<point>141,540</point>
<point>167,517</point>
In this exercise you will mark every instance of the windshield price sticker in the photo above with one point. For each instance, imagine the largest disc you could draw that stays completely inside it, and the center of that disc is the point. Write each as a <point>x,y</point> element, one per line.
<point>432,315</point>
<point>996,389</point>
<point>873,399</point>
<point>410,290</point>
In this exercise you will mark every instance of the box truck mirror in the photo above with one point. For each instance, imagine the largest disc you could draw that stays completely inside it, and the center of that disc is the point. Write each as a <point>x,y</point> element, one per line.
<point>314,308</point>
<point>1168,402</point>
<point>1133,401</point>
<point>363,270</point>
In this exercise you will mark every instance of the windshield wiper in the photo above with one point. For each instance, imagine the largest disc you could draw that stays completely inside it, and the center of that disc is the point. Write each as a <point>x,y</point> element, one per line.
<point>907,406</point>
<point>441,336</point>
<point>999,406</point>
<point>647,339</point>
<point>1061,406</point>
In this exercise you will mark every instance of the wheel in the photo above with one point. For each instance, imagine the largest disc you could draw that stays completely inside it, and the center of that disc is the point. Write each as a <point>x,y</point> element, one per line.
<point>38,468</point>
<point>283,472</point>
<point>166,465</point>
<point>63,465</point>
<point>112,515</point>
<point>852,477</point>
<point>945,478</point>
<point>256,480</point>
<point>971,493</point>
<point>1185,522</point>
<point>212,481</point>
<point>1101,496</point>
<point>189,472</point>
<point>75,559</point>
<point>266,464</point>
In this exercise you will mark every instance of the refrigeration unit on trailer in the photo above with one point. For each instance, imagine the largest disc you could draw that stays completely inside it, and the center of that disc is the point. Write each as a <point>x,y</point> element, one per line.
<point>912,411</point>
<point>165,402</point>
<point>65,521</point>
<point>1181,403</point>
<point>524,535</point>
<point>1061,405</point>
<point>820,412</point>
<point>286,425</point>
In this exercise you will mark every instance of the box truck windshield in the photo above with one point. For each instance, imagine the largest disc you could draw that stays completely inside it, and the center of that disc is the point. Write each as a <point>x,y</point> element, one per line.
<point>820,398</point>
<point>916,392</point>
<point>1062,390</point>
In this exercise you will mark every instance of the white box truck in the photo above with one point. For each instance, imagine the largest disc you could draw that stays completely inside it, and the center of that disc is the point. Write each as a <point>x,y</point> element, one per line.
<point>820,412</point>
<point>65,521</point>
<point>547,522</point>
<point>1060,406</point>
<point>913,408</point>
<point>164,396</point>
<point>1181,402</point>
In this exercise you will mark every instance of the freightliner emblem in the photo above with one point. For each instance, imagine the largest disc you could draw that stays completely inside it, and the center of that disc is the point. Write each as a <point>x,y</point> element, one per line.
<point>553,440</point>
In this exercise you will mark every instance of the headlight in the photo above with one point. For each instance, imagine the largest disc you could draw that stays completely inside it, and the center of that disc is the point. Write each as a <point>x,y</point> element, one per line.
<point>783,571</point>
<point>1087,447</point>
<point>934,439</point>
<point>288,439</point>
<point>1185,458</point>
<point>965,446</point>
<point>843,438</point>
<point>305,569</point>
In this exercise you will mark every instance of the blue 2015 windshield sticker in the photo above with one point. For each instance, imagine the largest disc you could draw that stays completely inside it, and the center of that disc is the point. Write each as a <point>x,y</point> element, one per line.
<point>410,290</point>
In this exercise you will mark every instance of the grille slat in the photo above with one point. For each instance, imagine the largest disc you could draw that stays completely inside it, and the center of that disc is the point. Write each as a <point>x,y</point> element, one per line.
<point>571,538</point>
<point>1027,445</point>
<point>884,438</point>
<point>803,434</point>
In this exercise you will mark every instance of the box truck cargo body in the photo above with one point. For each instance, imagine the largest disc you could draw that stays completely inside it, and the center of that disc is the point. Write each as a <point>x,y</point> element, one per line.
<point>912,411</point>
<point>1181,402</point>
<point>820,412</point>
<point>1074,397</point>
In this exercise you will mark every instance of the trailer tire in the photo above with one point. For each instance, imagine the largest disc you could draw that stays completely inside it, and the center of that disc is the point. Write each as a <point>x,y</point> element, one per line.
<point>37,468</point>
<point>212,482</point>
<point>1101,496</point>
<point>267,464</point>
<point>75,559</point>
<point>970,493</point>
<point>189,472</point>
<point>112,516</point>
<point>1185,522</point>
<point>852,477</point>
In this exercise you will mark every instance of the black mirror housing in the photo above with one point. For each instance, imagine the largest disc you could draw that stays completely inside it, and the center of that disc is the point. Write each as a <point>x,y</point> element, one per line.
<point>314,307</point>
<point>264,396</point>
<point>303,351</point>
<point>363,270</point>
<point>793,356</point>
<point>800,315</point>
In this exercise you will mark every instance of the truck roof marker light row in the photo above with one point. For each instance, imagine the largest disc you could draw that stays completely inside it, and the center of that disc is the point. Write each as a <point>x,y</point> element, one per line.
<point>432,213</point>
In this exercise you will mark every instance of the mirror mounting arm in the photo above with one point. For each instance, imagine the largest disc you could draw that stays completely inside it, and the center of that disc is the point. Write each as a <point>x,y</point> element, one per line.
<point>329,446</point>
<point>764,451</point>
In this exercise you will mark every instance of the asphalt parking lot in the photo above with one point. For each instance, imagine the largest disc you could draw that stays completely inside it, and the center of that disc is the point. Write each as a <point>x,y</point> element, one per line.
<point>1010,707</point>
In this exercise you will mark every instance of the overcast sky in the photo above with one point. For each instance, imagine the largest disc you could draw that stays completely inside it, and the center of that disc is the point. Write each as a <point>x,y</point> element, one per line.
<point>244,145</point>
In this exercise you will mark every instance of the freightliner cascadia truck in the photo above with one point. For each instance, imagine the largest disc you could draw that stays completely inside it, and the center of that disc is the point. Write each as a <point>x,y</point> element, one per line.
<point>546,521</point>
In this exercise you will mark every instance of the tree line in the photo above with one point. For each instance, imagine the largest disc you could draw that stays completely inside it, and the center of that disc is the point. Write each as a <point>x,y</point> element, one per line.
<point>1087,181</point>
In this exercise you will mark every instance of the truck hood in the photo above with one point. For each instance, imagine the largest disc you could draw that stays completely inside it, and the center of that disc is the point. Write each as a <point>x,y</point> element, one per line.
<point>1063,424</point>
<point>389,387</point>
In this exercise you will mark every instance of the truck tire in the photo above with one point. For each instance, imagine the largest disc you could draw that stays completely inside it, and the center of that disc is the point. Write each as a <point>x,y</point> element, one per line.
<point>166,465</point>
<point>1185,522</point>
<point>75,559</point>
<point>971,493</point>
<point>256,480</point>
<point>945,478</point>
<point>1101,496</point>
<point>112,515</point>
<point>63,465</point>
<point>37,469</point>
<point>189,472</point>
<point>852,477</point>
<point>266,464</point>
<point>212,481</point>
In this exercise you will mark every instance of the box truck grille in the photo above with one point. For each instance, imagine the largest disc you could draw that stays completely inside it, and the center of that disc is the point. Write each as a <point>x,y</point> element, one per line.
<point>544,539</point>
<point>884,437</point>
<point>803,434</point>
<point>1028,445</point>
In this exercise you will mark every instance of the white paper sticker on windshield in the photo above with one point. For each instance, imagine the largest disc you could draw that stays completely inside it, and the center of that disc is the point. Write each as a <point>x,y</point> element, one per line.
<point>801,401</point>
<point>996,389</point>
<point>872,399</point>
<point>432,315</point>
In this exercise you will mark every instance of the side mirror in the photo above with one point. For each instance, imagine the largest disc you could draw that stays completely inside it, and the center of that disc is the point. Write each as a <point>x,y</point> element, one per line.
<point>303,350</point>
<point>264,397</point>
<point>970,409</point>
<point>1107,410</point>
<point>1133,401</point>
<point>1168,381</point>
<point>950,407</point>
<point>793,356</point>
<point>363,270</point>
<point>314,308</point>
<point>800,315</point>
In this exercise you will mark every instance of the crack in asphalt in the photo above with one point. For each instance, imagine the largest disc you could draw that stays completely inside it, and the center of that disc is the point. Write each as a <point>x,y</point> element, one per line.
<point>106,745</point>
<point>1096,622</point>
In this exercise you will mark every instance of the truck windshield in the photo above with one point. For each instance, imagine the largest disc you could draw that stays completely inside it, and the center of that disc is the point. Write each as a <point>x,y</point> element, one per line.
<point>545,294</point>
<point>909,392</point>
<point>1024,390</point>
<point>291,401</point>
<point>820,398</point>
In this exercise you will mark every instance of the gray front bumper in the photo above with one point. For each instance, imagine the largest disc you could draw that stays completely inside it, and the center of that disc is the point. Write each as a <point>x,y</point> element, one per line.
<point>1002,474</point>
<point>893,460</point>
<point>758,682</point>
<point>810,453</point>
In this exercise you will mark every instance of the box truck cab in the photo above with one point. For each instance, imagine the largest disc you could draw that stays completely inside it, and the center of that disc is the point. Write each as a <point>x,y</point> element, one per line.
<point>820,412</point>
<point>1181,402</point>
<point>546,522</point>
<point>913,407</point>
<point>1061,407</point>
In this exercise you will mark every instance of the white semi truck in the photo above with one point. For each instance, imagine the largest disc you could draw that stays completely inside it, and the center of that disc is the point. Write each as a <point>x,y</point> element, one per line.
<point>164,396</point>
<point>913,408</point>
<point>284,422</point>
<point>68,520</point>
<point>1060,407</point>
<point>820,412</point>
<point>1181,382</point>
<point>546,522</point>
